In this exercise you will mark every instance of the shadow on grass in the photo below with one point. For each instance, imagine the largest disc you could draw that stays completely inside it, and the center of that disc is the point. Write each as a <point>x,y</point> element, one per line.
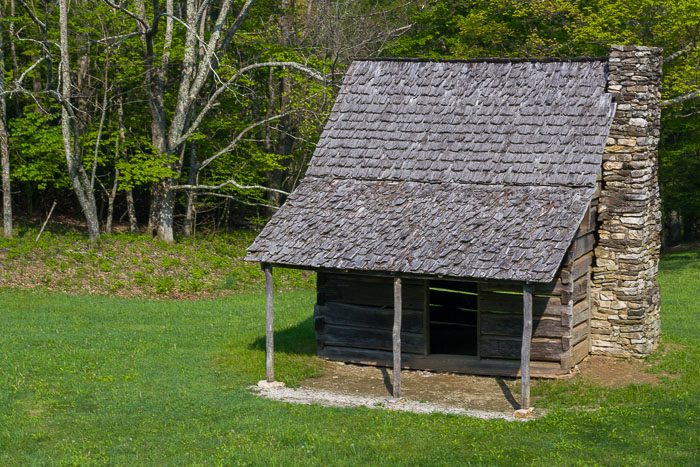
<point>299,339</point>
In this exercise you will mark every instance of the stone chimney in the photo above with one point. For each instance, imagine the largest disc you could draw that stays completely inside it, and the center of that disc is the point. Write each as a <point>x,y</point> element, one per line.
<point>624,291</point>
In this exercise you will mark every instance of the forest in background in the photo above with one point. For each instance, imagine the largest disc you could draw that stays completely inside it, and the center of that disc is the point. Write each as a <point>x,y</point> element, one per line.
<point>176,115</point>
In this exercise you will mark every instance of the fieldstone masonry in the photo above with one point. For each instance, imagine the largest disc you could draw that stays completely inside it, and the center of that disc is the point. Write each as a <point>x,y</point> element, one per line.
<point>624,291</point>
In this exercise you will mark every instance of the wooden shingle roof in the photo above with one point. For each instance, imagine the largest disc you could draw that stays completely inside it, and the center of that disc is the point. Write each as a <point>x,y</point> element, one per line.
<point>473,170</point>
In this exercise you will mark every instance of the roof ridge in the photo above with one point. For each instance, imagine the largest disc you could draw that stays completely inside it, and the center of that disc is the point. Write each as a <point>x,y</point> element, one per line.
<point>486,59</point>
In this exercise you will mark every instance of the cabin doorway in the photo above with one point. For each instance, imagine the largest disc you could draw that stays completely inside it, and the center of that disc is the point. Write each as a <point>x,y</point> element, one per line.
<point>453,317</point>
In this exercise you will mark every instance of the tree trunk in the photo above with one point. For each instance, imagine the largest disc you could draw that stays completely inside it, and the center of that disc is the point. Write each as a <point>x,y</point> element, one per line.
<point>110,202</point>
<point>166,215</point>
<point>131,209</point>
<point>121,141</point>
<point>152,226</point>
<point>191,196</point>
<point>69,131</point>
<point>4,145</point>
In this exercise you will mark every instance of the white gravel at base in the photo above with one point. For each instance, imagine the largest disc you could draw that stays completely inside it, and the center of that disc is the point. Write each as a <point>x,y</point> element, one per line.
<point>330,399</point>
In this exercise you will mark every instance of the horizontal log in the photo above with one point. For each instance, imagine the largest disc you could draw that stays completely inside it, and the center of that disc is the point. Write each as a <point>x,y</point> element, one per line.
<point>583,245</point>
<point>437,362</point>
<point>549,350</point>
<point>369,291</point>
<point>580,332</point>
<point>367,316</point>
<point>366,338</point>
<point>580,351</point>
<point>513,303</point>
<point>580,312</point>
<point>588,224</point>
<point>555,287</point>
<point>580,288</point>
<point>582,266</point>
<point>323,277</point>
<point>453,299</point>
<point>512,325</point>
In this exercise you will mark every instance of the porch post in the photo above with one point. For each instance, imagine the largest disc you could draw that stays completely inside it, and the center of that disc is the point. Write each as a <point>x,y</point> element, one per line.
<point>269,326</point>
<point>396,339</point>
<point>525,351</point>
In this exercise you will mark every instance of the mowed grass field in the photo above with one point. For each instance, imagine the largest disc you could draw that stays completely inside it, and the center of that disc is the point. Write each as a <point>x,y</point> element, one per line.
<point>102,380</point>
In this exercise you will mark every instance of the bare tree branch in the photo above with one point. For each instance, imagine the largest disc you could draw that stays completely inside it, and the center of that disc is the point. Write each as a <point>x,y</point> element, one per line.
<point>144,24</point>
<point>247,203</point>
<point>679,99</point>
<point>214,98</point>
<point>236,25</point>
<point>32,15</point>
<point>27,71</point>
<point>240,136</point>
<point>680,52</point>
<point>227,183</point>
<point>118,37</point>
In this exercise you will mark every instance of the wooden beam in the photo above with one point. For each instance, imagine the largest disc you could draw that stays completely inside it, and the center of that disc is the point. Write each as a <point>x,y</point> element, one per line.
<point>269,326</point>
<point>525,351</point>
<point>396,338</point>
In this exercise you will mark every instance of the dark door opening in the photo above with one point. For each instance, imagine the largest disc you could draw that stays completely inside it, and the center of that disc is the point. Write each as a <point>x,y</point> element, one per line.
<point>454,317</point>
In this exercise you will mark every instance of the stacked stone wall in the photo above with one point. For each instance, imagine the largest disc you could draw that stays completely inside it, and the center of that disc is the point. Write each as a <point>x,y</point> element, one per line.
<point>624,291</point>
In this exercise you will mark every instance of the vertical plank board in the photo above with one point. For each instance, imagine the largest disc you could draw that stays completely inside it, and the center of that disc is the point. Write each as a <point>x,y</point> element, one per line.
<point>396,338</point>
<point>525,352</point>
<point>269,326</point>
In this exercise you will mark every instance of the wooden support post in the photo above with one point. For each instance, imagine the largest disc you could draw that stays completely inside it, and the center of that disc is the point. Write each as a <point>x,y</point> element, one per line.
<point>269,326</point>
<point>396,339</point>
<point>525,351</point>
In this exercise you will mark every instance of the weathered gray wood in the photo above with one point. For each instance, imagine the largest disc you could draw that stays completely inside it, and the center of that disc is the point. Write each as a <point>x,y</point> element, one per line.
<point>541,348</point>
<point>438,362</point>
<point>580,288</point>
<point>511,324</point>
<point>396,338</point>
<point>580,312</point>
<point>579,352</point>
<point>551,288</point>
<point>525,352</point>
<point>370,291</point>
<point>269,325</point>
<point>583,245</point>
<point>366,338</point>
<point>588,223</point>
<point>582,265</point>
<point>368,316</point>
<point>509,303</point>
<point>580,333</point>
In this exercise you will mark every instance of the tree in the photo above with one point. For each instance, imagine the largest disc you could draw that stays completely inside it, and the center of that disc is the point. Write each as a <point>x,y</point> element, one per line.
<point>4,142</point>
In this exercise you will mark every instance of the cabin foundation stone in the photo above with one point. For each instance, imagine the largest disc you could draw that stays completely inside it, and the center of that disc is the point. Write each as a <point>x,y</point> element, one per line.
<point>625,297</point>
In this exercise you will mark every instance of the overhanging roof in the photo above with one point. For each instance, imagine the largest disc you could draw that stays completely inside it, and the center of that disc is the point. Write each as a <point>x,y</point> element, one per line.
<point>475,170</point>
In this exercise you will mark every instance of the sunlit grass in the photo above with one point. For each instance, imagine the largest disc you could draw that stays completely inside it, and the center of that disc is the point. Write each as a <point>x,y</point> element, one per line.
<point>100,380</point>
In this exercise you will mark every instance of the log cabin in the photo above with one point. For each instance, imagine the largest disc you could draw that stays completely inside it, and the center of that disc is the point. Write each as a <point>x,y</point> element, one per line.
<point>495,217</point>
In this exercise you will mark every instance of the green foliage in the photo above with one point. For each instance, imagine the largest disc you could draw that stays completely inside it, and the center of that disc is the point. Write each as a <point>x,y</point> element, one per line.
<point>37,149</point>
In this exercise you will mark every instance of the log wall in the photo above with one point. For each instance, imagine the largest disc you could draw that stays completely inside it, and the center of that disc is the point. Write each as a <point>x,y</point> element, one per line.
<point>354,317</point>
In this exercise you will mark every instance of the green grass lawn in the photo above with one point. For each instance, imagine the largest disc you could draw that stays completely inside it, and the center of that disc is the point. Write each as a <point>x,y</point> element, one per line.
<point>95,379</point>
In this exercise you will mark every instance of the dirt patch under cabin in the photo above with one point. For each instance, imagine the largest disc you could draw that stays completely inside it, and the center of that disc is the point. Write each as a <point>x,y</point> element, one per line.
<point>483,393</point>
